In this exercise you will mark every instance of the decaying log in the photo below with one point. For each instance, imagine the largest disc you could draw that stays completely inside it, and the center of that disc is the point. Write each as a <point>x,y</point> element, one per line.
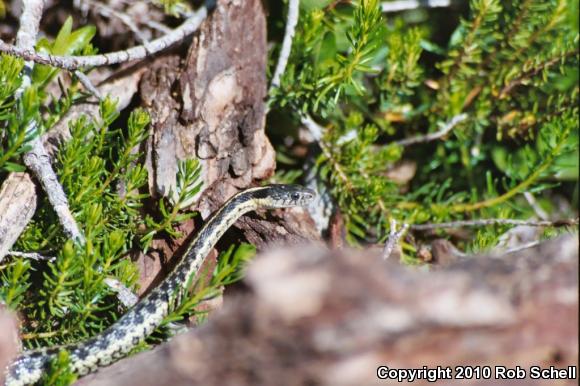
<point>315,317</point>
<point>212,108</point>
<point>223,89</point>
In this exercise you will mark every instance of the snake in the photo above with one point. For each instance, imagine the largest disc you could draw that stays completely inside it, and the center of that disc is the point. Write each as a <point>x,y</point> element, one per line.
<point>140,321</point>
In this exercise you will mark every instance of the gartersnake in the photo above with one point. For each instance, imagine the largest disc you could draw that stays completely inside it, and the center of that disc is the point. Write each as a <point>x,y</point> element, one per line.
<point>140,321</point>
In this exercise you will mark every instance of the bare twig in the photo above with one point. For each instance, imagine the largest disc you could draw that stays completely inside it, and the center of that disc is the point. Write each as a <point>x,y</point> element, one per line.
<point>36,159</point>
<point>531,244</point>
<point>533,71</point>
<point>496,221</point>
<point>26,36</point>
<point>157,26</point>
<point>394,237</point>
<point>32,255</point>
<point>291,22</point>
<point>124,294</point>
<point>541,213</point>
<point>29,22</point>
<point>433,136</point>
<point>72,63</point>
<point>405,5</point>
<point>313,127</point>
<point>109,12</point>
<point>86,82</point>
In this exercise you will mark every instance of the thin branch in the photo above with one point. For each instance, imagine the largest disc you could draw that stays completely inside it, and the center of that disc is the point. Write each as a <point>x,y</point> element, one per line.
<point>496,221</point>
<point>124,294</point>
<point>86,82</point>
<point>394,237</point>
<point>313,127</point>
<point>32,255</point>
<point>291,21</point>
<point>526,75</point>
<point>541,213</point>
<point>531,244</point>
<point>157,26</point>
<point>110,12</point>
<point>433,136</point>
<point>72,63</point>
<point>37,159</point>
<point>43,335</point>
<point>406,5</point>
<point>26,36</point>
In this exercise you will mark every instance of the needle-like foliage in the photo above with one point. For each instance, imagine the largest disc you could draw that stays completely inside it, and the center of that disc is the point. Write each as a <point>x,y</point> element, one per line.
<point>372,81</point>
<point>65,297</point>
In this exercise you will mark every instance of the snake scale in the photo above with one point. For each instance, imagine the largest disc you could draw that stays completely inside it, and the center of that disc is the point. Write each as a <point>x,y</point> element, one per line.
<point>140,321</point>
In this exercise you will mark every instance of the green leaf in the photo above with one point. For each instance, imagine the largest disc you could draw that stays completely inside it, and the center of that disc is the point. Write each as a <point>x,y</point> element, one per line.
<point>67,42</point>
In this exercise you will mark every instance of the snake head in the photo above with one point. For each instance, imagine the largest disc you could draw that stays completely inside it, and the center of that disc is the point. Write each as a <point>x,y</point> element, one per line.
<point>283,196</point>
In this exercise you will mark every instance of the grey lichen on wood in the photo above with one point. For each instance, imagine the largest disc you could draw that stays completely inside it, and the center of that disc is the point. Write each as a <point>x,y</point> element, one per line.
<point>17,206</point>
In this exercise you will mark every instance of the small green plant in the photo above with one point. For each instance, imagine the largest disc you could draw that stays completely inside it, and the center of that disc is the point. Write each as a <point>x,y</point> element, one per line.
<point>187,187</point>
<point>20,107</point>
<point>372,80</point>
<point>59,373</point>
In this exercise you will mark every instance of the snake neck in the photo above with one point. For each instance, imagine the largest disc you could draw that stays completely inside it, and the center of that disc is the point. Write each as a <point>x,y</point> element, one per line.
<point>209,234</point>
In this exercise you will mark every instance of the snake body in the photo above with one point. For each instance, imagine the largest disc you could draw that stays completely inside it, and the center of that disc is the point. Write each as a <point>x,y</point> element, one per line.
<point>140,321</point>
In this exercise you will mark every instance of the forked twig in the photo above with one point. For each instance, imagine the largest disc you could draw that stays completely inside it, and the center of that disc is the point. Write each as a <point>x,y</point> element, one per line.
<point>72,63</point>
<point>496,221</point>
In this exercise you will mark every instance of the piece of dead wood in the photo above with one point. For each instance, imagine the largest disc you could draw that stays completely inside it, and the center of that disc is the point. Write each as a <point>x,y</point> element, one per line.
<point>315,317</point>
<point>17,206</point>
<point>210,106</point>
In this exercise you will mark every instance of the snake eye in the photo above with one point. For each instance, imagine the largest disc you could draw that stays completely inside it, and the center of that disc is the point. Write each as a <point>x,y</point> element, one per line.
<point>295,196</point>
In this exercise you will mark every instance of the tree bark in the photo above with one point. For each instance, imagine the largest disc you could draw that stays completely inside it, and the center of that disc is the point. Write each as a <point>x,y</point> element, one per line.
<point>212,107</point>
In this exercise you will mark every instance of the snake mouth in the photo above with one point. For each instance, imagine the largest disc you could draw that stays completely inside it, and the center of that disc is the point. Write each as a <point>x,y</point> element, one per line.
<point>308,196</point>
